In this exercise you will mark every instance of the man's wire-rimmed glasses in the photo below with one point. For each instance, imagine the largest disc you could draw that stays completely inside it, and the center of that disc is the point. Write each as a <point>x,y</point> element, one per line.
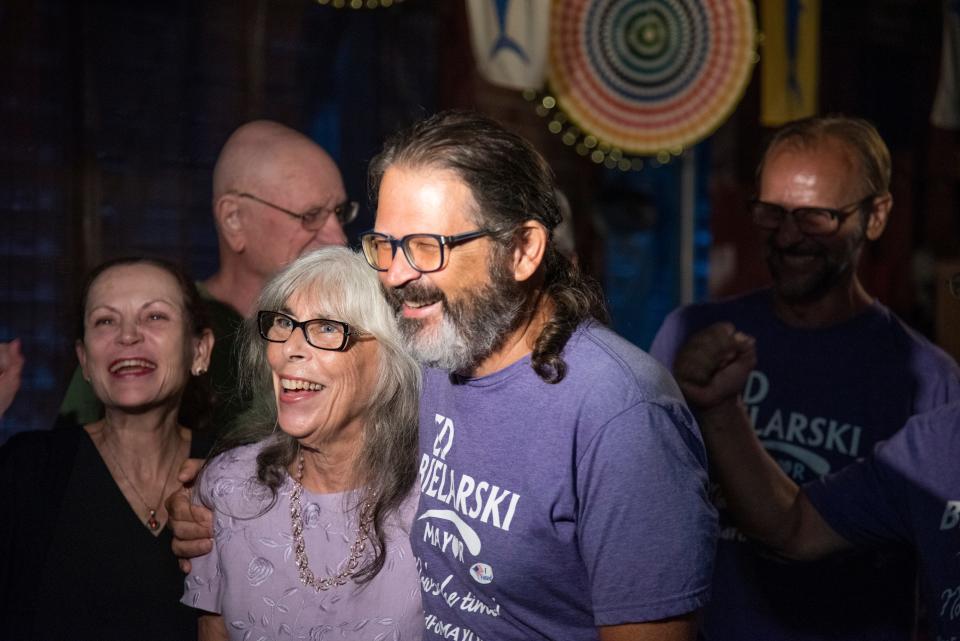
<point>424,252</point>
<point>322,333</point>
<point>812,221</point>
<point>313,219</point>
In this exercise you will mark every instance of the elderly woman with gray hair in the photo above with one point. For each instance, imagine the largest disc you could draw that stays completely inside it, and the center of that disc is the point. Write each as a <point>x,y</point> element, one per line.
<point>313,500</point>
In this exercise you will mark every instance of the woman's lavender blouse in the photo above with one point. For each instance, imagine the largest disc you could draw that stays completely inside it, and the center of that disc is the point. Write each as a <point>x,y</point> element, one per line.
<point>250,577</point>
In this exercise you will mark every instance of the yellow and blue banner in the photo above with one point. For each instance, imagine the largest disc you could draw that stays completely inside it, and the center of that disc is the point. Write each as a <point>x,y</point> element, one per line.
<point>790,60</point>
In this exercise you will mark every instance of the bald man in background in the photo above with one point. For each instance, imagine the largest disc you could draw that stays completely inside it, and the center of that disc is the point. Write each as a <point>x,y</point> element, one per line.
<point>276,195</point>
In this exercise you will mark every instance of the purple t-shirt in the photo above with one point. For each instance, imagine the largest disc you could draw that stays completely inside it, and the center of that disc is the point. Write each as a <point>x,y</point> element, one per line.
<point>908,493</point>
<point>548,510</point>
<point>251,578</point>
<point>819,400</point>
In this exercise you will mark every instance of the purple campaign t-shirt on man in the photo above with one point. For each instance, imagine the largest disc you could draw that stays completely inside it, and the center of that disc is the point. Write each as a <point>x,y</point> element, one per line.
<point>819,400</point>
<point>548,510</point>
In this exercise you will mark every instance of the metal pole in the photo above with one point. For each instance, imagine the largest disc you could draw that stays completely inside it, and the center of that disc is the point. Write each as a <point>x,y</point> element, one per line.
<point>688,200</point>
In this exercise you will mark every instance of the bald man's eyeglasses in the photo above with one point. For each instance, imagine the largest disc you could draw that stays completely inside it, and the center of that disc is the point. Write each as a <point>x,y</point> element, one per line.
<point>314,219</point>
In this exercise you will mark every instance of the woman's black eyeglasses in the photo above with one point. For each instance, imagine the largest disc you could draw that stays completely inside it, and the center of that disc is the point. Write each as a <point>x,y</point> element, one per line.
<point>321,333</point>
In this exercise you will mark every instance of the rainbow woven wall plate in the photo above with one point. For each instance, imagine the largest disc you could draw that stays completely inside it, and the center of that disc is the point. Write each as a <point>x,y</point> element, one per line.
<point>650,76</point>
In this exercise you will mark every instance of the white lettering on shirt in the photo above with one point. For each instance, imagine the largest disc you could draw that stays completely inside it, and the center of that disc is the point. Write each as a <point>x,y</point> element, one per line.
<point>951,516</point>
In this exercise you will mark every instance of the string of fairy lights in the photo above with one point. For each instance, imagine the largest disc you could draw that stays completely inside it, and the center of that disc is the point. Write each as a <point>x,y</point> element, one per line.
<point>588,145</point>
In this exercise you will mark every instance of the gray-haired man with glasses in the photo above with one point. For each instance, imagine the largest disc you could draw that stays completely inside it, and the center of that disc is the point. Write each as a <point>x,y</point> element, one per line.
<point>563,483</point>
<point>834,373</point>
<point>276,195</point>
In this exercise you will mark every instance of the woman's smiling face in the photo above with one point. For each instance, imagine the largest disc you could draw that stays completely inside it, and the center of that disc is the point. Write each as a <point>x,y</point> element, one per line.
<point>136,349</point>
<point>322,396</point>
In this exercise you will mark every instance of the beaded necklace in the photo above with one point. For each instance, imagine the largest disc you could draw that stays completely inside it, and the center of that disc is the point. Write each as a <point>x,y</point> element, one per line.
<point>307,577</point>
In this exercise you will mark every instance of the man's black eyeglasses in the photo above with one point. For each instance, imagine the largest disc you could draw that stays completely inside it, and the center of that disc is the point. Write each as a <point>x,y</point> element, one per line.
<point>424,252</point>
<point>321,333</point>
<point>813,221</point>
<point>314,219</point>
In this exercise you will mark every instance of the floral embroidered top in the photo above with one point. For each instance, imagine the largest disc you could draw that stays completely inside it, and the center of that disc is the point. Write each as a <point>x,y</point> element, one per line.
<point>251,577</point>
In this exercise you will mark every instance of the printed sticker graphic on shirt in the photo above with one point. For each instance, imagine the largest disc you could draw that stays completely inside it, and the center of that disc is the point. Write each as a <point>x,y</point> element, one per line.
<point>801,444</point>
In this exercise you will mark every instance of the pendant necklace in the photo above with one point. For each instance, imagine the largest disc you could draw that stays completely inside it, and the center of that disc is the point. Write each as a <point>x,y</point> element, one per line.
<point>152,521</point>
<point>307,577</point>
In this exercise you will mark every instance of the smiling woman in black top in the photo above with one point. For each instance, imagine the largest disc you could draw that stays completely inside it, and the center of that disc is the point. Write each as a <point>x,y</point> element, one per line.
<point>84,551</point>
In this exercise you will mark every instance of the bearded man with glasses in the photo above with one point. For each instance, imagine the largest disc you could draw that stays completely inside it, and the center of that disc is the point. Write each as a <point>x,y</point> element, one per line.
<point>563,482</point>
<point>835,372</point>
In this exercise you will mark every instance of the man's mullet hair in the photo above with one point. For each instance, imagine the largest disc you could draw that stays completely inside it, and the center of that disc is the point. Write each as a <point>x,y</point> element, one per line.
<point>511,184</point>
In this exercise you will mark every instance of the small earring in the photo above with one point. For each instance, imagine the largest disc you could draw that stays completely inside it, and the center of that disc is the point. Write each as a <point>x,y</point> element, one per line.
<point>199,371</point>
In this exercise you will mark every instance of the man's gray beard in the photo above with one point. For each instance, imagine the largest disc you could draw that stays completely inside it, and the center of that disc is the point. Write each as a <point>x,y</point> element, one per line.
<point>470,329</point>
